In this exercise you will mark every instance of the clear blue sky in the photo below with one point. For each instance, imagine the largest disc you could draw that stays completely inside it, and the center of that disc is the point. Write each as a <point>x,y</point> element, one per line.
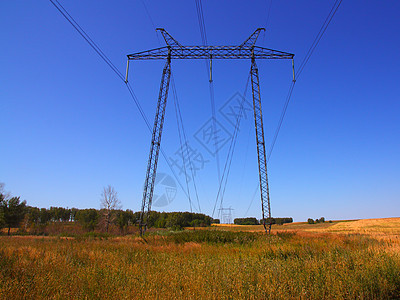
<point>69,127</point>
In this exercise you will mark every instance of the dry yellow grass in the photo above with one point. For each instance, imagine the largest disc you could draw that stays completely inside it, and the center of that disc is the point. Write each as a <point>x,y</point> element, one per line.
<point>378,228</point>
<point>383,227</point>
<point>217,263</point>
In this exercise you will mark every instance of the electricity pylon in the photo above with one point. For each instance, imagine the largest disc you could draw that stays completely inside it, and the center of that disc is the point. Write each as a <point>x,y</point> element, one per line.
<point>174,50</point>
<point>226,215</point>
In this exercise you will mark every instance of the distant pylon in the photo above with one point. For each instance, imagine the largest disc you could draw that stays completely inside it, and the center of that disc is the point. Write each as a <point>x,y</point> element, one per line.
<point>226,215</point>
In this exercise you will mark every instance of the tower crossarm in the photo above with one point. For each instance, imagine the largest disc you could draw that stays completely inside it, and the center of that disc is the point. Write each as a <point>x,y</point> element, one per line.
<point>214,52</point>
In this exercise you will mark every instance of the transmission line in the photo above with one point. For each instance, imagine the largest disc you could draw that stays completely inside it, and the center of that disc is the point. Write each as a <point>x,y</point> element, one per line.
<point>87,38</point>
<point>268,14</point>
<point>228,162</point>
<point>179,125</point>
<point>234,142</point>
<point>319,36</point>
<point>178,110</point>
<point>104,57</point>
<point>151,21</point>
<point>252,199</point>
<point>180,141</point>
<point>200,17</point>
<point>301,68</point>
<point>208,62</point>
<point>310,51</point>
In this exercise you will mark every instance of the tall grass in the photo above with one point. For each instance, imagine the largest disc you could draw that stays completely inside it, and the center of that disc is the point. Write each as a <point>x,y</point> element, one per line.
<point>212,236</point>
<point>200,265</point>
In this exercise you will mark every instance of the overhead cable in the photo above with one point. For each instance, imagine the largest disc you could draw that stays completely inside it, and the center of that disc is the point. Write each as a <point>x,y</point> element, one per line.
<point>300,70</point>
<point>104,57</point>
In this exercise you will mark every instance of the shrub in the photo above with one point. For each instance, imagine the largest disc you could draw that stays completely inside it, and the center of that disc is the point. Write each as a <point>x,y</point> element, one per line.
<point>246,221</point>
<point>213,237</point>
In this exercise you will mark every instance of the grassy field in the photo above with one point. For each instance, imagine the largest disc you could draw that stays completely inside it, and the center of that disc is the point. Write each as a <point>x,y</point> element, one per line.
<point>339,260</point>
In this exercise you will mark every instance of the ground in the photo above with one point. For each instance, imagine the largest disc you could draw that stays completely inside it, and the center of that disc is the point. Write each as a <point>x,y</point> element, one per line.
<point>338,260</point>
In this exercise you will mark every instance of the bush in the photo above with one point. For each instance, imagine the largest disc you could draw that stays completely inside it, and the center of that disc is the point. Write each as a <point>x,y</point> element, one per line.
<point>214,236</point>
<point>279,221</point>
<point>246,221</point>
<point>320,220</point>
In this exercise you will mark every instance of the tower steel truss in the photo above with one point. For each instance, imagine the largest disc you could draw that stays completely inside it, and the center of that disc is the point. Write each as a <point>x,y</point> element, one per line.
<point>174,50</point>
<point>262,156</point>
<point>155,146</point>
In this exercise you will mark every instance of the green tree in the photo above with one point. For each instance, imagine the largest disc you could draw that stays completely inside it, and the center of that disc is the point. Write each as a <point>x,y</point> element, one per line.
<point>88,218</point>
<point>2,221</point>
<point>73,213</point>
<point>13,211</point>
<point>33,215</point>
<point>123,218</point>
<point>65,214</point>
<point>44,216</point>
<point>3,196</point>
<point>175,221</point>
<point>310,221</point>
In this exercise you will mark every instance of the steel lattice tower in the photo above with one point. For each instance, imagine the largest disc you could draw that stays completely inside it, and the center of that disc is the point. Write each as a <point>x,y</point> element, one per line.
<point>174,50</point>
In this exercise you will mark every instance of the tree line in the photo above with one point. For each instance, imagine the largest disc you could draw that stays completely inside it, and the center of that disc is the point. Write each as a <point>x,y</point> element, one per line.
<point>254,221</point>
<point>92,219</point>
<point>15,213</point>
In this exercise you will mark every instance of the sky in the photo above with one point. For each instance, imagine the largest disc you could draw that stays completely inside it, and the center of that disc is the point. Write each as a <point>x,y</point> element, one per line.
<point>69,126</point>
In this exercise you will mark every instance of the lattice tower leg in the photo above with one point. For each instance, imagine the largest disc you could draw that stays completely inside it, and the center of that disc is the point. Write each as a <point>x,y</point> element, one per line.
<point>262,158</point>
<point>155,148</point>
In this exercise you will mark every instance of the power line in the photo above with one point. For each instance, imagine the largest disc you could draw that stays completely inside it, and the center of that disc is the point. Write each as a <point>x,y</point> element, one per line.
<point>185,140</point>
<point>319,36</point>
<point>104,57</point>
<point>180,141</point>
<point>228,162</point>
<point>200,17</point>
<point>179,124</point>
<point>202,26</point>
<point>151,21</point>
<point>87,38</point>
<point>301,68</point>
<point>268,14</point>
<point>252,199</point>
<point>278,128</point>
<point>235,137</point>
<point>299,71</point>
